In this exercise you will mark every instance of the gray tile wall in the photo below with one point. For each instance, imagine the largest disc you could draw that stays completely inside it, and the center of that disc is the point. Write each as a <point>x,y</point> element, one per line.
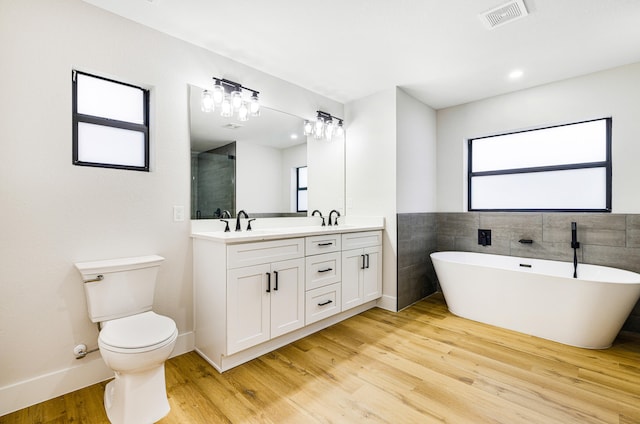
<point>416,239</point>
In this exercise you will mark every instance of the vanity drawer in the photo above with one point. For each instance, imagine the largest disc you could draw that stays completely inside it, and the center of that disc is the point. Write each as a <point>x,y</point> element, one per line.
<point>363,239</point>
<point>323,269</point>
<point>262,252</point>
<point>322,244</point>
<point>322,303</point>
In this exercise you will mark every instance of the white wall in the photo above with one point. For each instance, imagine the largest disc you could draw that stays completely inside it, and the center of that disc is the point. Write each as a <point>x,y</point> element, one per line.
<point>258,178</point>
<point>55,214</point>
<point>263,176</point>
<point>292,158</point>
<point>416,155</point>
<point>326,183</point>
<point>612,93</point>
<point>371,174</point>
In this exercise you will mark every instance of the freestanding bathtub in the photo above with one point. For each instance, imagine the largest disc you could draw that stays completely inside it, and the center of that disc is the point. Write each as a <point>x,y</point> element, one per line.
<point>539,297</point>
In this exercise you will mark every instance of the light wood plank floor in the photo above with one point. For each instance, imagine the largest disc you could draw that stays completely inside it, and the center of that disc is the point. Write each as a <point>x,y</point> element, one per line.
<point>421,365</point>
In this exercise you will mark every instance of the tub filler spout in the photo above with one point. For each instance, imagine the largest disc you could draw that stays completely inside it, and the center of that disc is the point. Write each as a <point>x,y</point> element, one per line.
<point>575,245</point>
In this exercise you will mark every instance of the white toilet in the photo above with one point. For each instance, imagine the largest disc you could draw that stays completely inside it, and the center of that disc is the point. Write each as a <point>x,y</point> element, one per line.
<point>134,341</point>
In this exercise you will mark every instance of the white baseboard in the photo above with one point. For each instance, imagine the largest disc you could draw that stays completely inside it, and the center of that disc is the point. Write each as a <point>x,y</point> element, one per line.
<point>87,371</point>
<point>185,343</point>
<point>389,303</point>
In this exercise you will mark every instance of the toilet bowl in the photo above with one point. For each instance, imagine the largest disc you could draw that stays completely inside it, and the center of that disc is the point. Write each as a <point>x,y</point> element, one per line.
<point>135,348</point>
<point>134,341</point>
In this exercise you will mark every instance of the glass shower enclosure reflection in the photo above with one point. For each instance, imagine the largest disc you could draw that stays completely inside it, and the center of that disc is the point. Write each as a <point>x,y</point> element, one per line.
<point>213,182</point>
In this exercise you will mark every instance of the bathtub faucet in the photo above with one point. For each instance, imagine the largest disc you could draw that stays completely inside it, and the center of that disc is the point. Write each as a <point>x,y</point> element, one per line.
<point>575,245</point>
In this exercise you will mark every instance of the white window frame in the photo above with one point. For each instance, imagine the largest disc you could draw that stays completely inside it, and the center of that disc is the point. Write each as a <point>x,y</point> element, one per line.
<point>522,173</point>
<point>109,159</point>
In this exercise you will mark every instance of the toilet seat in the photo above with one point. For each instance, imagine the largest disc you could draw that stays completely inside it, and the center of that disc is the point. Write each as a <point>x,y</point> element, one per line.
<point>137,333</point>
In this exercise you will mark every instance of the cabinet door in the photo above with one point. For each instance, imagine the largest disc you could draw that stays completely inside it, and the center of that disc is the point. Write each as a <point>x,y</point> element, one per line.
<point>372,274</point>
<point>248,307</point>
<point>287,296</point>
<point>352,265</point>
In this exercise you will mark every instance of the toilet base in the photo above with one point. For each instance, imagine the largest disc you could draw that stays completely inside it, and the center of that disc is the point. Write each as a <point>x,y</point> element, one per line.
<point>137,398</point>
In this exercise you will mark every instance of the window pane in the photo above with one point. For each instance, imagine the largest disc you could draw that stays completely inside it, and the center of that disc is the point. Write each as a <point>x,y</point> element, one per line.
<point>107,145</point>
<point>302,200</point>
<point>584,142</point>
<point>106,99</point>
<point>573,189</point>
<point>302,177</point>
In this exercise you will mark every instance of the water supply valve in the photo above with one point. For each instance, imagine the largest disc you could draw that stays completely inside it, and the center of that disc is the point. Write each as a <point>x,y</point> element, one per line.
<point>484,237</point>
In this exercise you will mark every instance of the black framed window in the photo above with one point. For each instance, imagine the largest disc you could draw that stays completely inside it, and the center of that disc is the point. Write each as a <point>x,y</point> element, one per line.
<point>563,168</point>
<point>301,189</point>
<point>110,123</point>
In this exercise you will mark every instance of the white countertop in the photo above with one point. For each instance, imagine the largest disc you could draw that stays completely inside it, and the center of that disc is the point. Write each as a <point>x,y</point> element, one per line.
<point>273,230</point>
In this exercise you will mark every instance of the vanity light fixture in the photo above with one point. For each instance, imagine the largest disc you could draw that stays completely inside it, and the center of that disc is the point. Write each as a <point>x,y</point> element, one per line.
<point>227,95</point>
<point>325,126</point>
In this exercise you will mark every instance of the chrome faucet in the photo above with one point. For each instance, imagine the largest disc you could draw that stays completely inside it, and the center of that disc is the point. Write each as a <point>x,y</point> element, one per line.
<point>337,216</point>
<point>241,212</point>
<point>319,213</point>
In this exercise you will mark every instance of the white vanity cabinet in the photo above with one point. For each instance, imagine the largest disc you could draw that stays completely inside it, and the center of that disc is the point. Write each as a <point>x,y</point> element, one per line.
<point>361,268</point>
<point>254,293</point>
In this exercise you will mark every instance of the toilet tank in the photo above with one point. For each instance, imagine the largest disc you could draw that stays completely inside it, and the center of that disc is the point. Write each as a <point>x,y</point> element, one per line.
<point>126,287</point>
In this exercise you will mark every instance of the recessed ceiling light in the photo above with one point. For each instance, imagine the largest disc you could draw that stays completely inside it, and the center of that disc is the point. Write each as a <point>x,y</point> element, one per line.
<point>518,73</point>
<point>294,136</point>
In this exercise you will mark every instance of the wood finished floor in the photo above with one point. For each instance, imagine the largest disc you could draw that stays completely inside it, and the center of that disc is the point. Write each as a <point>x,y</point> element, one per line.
<point>421,365</point>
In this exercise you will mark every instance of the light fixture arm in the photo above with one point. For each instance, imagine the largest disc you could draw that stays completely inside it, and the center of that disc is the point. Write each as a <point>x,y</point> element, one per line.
<point>232,85</point>
<point>327,116</point>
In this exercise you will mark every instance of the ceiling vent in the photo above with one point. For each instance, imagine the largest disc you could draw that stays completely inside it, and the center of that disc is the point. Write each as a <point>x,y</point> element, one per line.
<point>503,14</point>
<point>232,126</point>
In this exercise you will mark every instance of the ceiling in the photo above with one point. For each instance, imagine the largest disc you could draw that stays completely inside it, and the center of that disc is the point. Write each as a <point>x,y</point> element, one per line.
<point>438,51</point>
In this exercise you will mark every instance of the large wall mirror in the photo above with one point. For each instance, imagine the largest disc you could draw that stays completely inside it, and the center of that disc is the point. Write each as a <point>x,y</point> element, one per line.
<point>254,165</point>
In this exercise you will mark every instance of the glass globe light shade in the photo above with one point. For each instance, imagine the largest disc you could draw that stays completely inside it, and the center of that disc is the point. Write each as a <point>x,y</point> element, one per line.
<point>236,99</point>
<point>328,130</point>
<point>206,101</point>
<point>254,106</point>
<point>218,93</point>
<point>243,112</point>
<point>308,128</point>
<point>318,128</point>
<point>227,110</point>
<point>340,129</point>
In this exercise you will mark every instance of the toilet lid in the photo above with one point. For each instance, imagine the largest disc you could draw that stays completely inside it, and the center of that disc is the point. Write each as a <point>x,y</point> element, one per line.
<point>136,331</point>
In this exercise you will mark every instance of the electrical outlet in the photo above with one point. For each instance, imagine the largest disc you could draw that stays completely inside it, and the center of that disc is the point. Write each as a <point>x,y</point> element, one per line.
<point>178,213</point>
